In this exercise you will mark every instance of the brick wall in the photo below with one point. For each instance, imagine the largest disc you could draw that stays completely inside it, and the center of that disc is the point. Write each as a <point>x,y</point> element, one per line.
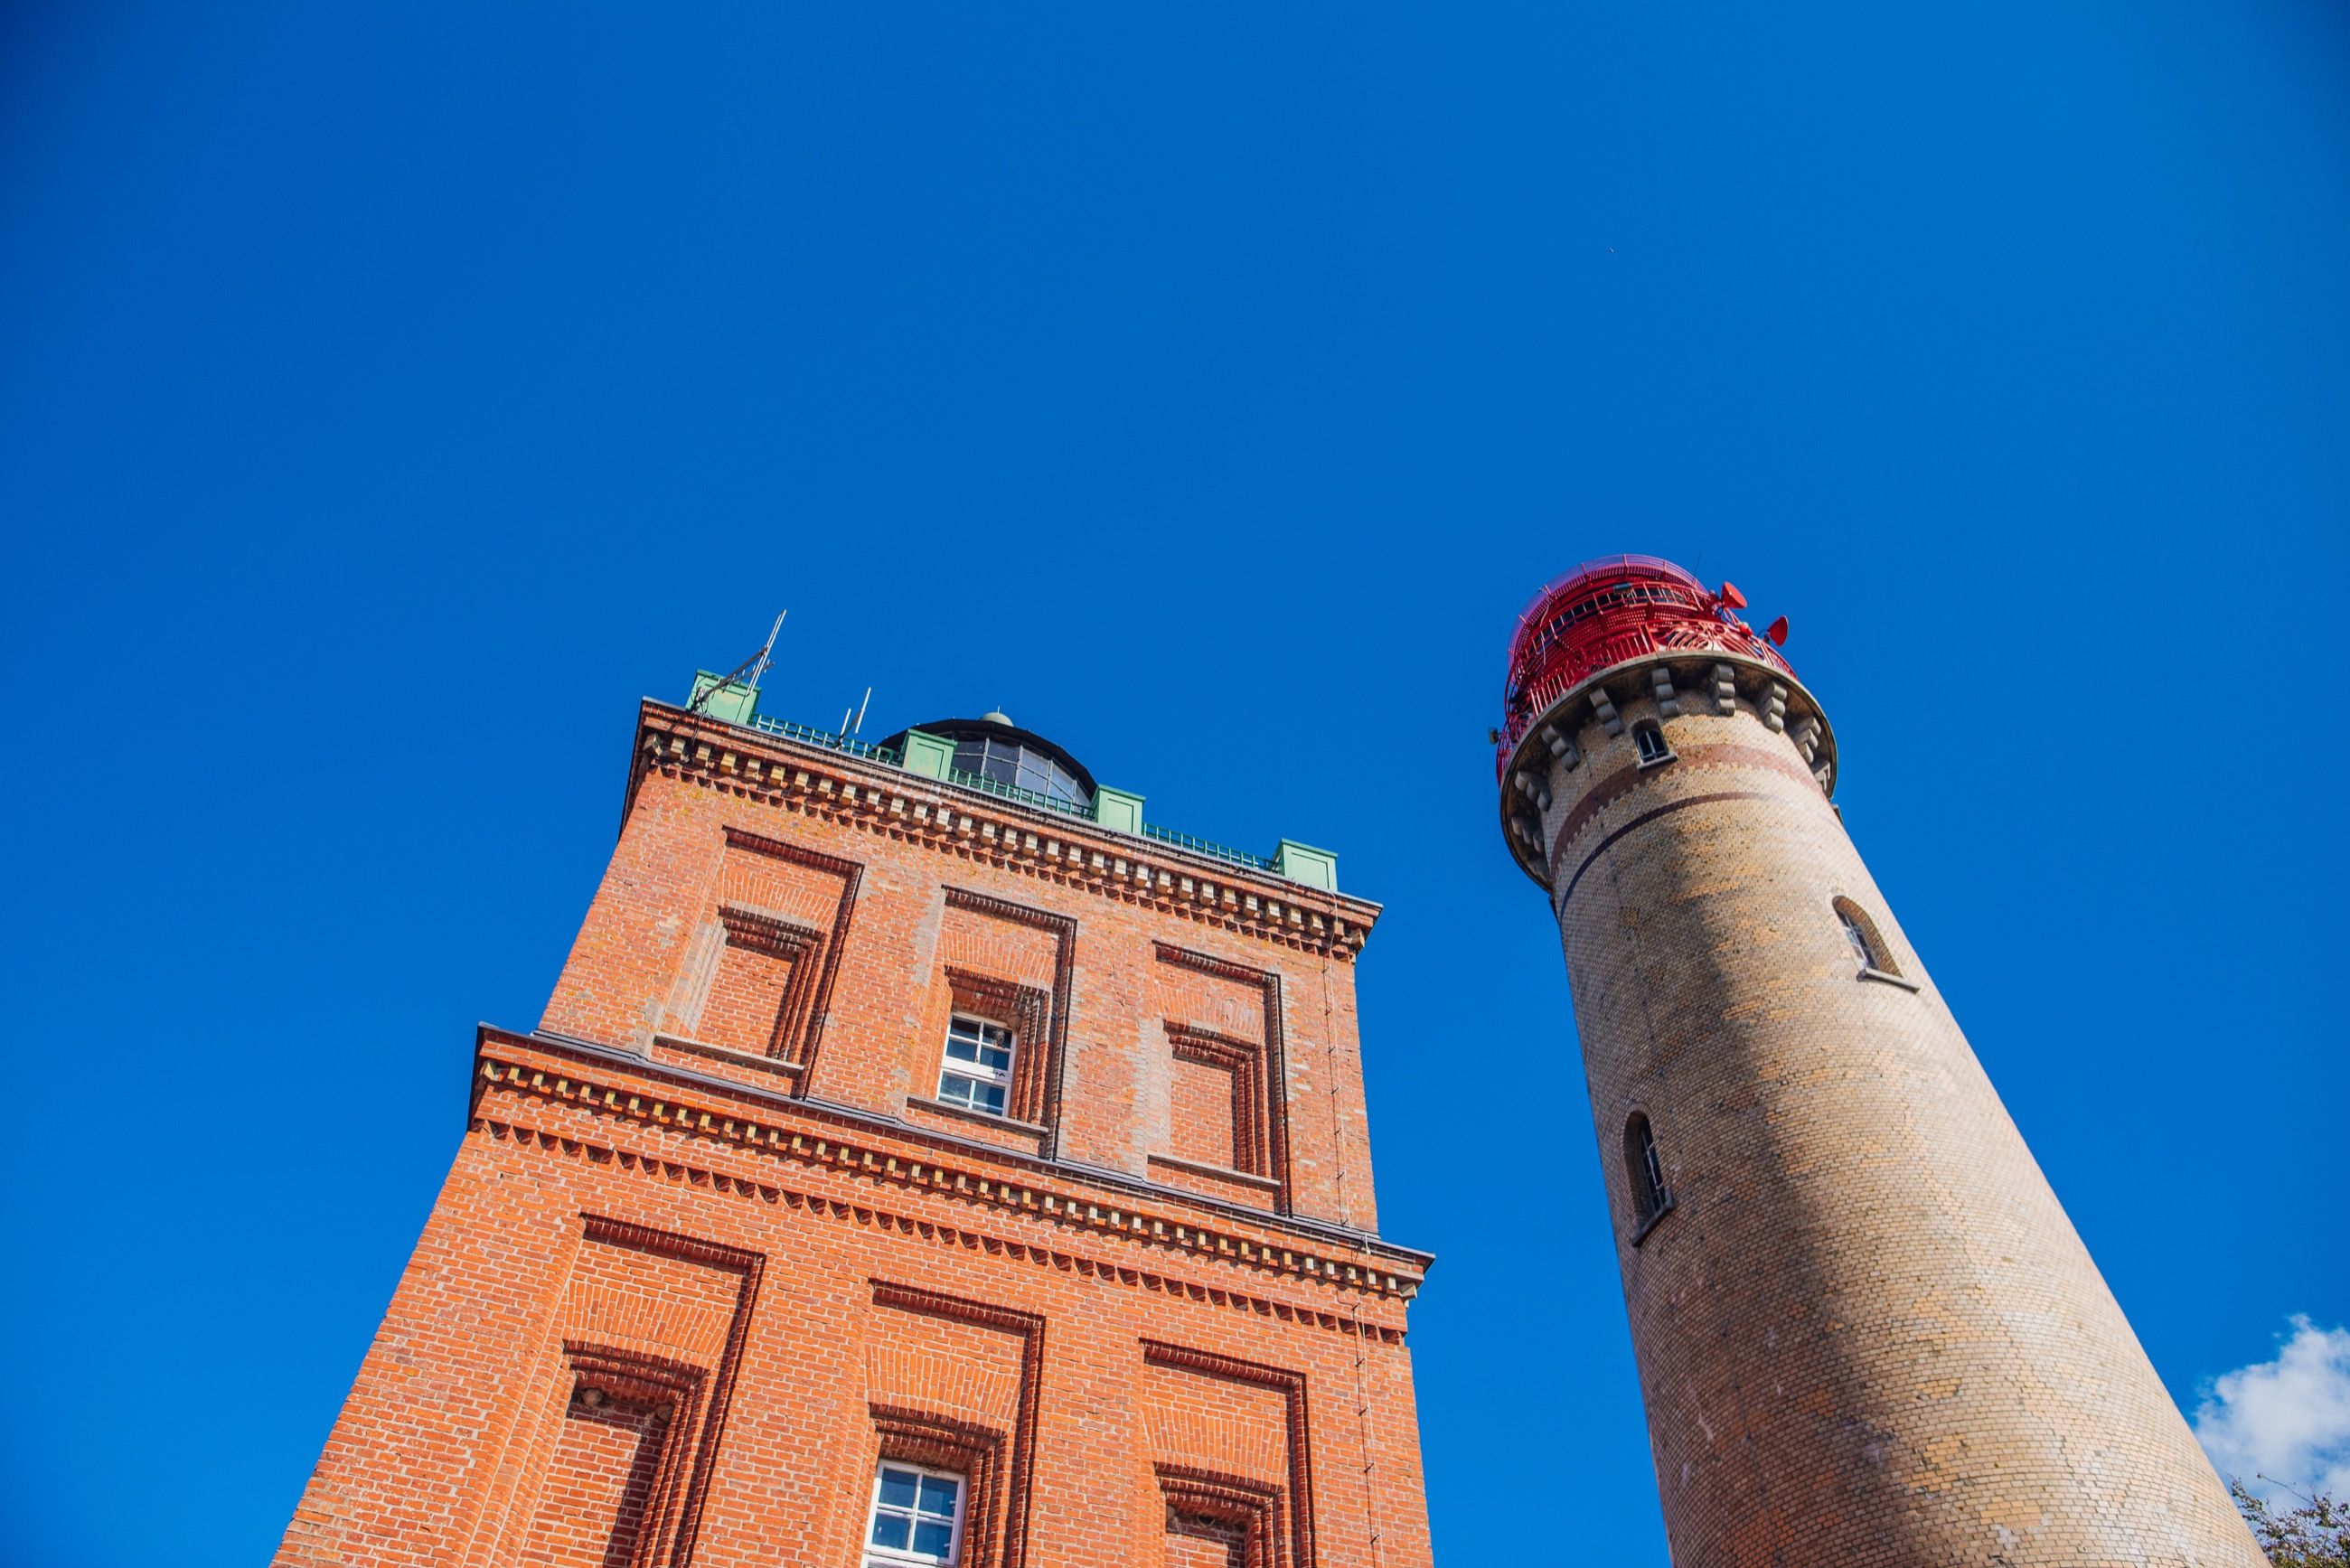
<point>681,1293</point>
<point>1867,1331</point>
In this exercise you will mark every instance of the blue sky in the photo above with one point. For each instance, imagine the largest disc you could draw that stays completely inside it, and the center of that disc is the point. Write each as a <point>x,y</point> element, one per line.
<point>388,400</point>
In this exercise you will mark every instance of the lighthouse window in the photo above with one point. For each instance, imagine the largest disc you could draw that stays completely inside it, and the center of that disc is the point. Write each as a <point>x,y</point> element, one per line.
<point>1651,742</point>
<point>977,1070</point>
<point>1650,1197</point>
<point>917,1516</point>
<point>1860,932</point>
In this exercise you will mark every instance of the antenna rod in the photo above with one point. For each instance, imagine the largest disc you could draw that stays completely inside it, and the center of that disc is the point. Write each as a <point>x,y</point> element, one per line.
<point>749,669</point>
<point>860,713</point>
<point>767,652</point>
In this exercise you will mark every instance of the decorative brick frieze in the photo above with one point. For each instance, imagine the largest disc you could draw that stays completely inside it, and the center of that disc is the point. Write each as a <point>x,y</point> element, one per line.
<point>994,1245</point>
<point>966,1182</point>
<point>1002,833</point>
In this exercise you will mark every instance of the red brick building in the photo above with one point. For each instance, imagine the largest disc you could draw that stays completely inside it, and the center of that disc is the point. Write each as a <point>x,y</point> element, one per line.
<point>920,1161</point>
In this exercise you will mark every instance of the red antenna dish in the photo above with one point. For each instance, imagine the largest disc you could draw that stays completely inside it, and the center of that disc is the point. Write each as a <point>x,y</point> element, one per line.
<point>1731,595</point>
<point>1777,632</point>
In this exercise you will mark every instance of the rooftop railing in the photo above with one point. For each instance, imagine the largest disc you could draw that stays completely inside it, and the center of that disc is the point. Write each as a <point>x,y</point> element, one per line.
<point>1027,796</point>
<point>1207,847</point>
<point>849,745</point>
<point>830,741</point>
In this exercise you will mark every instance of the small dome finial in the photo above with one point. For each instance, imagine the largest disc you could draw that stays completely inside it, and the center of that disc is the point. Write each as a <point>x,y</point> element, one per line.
<point>995,716</point>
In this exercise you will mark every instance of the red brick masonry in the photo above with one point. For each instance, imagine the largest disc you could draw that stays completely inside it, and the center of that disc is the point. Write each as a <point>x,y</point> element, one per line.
<point>713,1245</point>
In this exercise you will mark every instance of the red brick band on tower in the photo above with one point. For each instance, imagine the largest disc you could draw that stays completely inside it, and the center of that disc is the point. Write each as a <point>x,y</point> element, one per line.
<point>1867,1333</point>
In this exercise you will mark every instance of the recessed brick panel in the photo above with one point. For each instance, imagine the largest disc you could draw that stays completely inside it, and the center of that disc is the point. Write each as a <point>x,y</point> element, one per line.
<point>807,1272</point>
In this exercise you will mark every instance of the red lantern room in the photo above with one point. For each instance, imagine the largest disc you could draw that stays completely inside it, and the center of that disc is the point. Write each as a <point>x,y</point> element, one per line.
<point>1608,612</point>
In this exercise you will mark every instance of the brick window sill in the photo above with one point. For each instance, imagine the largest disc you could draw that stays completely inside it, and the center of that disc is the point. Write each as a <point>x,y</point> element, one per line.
<point>1652,1222</point>
<point>728,1054</point>
<point>985,1118</point>
<point>1888,979</point>
<point>1216,1172</point>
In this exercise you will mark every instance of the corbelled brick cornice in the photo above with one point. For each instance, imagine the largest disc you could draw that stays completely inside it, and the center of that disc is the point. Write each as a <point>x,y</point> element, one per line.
<point>505,1069</point>
<point>875,798</point>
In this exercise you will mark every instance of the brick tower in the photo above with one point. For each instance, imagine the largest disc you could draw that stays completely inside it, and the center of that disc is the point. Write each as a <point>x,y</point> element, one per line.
<point>921,1161</point>
<point>1865,1331</point>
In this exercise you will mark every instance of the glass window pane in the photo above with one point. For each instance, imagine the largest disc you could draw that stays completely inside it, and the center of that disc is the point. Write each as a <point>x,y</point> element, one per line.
<point>897,1487</point>
<point>938,1496</point>
<point>932,1540</point>
<point>990,1096</point>
<point>889,1529</point>
<point>962,1050</point>
<point>998,1060</point>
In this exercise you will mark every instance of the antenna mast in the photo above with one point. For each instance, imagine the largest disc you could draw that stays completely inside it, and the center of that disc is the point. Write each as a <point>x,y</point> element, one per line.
<point>750,670</point>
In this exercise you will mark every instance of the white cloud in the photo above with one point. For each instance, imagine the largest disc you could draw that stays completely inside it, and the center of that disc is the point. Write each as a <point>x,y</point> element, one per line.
<point>2288,1419</point>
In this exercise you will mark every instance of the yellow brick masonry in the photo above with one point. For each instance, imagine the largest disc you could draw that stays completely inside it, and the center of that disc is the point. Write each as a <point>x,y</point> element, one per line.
<point>1867,1331</point>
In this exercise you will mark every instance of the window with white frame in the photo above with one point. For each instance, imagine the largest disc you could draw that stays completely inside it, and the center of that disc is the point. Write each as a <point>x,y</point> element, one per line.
<point>976,1073</point>
<point>1858,939</point>
<point>1860,932</point>
<point>917,1516</point>
<point>1651,742</point>
<point>1646,1167</point>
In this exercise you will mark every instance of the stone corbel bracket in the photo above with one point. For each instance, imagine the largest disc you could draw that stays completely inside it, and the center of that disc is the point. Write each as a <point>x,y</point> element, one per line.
<point>875,798</point>
<point>1670,685</point>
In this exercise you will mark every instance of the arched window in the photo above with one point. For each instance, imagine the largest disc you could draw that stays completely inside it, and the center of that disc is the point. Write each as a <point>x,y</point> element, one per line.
<point>1646,1169</point>
<point>1650,739</point>
<point>1860,932</point>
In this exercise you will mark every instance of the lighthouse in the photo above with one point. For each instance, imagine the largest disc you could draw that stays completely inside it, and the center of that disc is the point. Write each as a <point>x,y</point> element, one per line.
<point>1866,1331</point>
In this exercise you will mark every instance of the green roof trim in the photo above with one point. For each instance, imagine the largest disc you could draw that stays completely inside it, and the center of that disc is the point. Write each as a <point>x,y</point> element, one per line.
<point>1303,863</point>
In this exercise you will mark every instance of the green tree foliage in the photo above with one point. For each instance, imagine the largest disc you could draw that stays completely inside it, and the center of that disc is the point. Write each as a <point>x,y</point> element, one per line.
<point>2314,1535</point>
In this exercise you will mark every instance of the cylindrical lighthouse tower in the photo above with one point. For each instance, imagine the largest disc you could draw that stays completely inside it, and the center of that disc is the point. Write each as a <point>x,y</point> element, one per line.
<point>1867,1333</point>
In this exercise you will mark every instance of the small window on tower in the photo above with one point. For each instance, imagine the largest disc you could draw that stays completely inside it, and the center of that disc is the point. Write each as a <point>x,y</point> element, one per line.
<point>1860,932</point>
<point>976,1073</point>
<point>917,1516</point>
<point>1652,1199</point>
<point>1869,947</point>
<point>1650,739</point>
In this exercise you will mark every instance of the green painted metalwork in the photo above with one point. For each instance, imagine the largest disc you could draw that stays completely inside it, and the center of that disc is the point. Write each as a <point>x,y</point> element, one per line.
<point>931,756</point>
<point>1303,863</point>
<point>1013,792</point>
<point>830,741</point>
<point>730,701</point>
<point>1117,809</point>
<point>1207,847</point>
